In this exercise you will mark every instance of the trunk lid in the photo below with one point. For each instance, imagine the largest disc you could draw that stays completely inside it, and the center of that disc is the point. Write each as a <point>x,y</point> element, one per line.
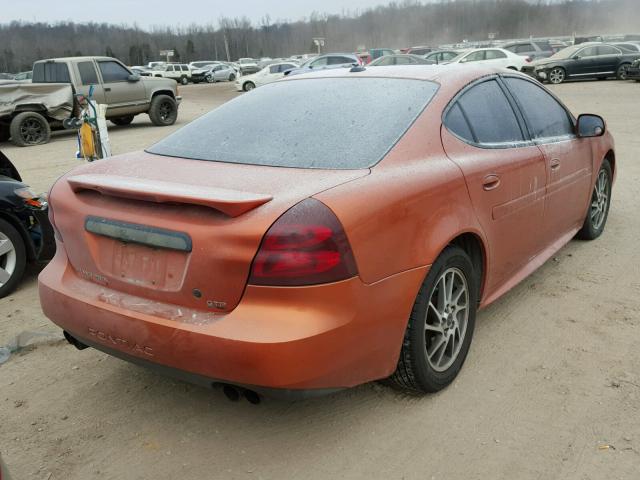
<point>176,231</point>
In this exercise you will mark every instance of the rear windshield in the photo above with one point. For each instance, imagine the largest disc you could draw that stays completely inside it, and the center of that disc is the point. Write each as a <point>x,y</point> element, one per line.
<point>332,123</point>
<point>50,72</point>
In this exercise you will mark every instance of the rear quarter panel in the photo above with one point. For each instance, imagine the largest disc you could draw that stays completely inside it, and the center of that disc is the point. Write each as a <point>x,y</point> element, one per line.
<point>411,206</point>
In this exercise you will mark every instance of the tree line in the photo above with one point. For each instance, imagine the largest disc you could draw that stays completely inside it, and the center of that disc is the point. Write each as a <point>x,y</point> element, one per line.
<point>395,25</point>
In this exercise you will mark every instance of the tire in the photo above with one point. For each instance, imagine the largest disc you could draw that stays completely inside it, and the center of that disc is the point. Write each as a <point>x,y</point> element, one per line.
<point>29,128</point>
<point>248,86</point>
<point>420,370</point>
<point>621,73</point>
<point>163,111</point>
<point>184,80</point>
<point>599,204</point>
<point>232,77</point>
<point>4,133</point>
<point>210,79</point>
<point>557,75</point>
<point>13,262</point>
<point>126,120</point>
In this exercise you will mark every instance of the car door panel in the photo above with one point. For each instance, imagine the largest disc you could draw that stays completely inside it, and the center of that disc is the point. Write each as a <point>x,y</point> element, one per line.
<point>567,158</point>
<point>506,178</point>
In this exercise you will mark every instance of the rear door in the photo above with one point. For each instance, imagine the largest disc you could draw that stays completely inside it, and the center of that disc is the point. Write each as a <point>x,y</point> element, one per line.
<point>608,58</point>
<point>496,58</point>
<point>121,94</point>
<point>504,171</point>
<point>568,158</point>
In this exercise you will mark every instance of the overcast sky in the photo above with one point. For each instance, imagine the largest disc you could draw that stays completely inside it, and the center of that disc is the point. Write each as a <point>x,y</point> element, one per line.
<point>164,12</point>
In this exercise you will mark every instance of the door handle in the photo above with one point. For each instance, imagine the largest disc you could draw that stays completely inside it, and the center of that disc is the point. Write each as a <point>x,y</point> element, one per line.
<point>107,89</point>
<point>491,182</point>
<point>554,164</point>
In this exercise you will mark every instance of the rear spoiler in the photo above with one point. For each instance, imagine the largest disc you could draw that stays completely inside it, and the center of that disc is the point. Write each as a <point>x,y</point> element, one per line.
<point>230,202</point>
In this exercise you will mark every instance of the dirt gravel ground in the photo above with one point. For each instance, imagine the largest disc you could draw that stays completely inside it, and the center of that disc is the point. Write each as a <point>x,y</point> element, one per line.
<point>550,390</point>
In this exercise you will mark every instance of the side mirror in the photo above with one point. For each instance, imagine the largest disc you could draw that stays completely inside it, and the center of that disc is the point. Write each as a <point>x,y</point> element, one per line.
<point>134,77</point>
<point>590,126</point>
<point>576,57</point>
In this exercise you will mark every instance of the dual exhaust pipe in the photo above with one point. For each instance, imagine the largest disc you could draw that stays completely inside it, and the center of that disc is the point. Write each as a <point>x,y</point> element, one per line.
<point>232,392</point>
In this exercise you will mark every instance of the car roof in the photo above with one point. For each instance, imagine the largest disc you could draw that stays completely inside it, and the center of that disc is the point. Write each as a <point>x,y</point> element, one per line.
<point>66,59</point>
<point>445,73</point>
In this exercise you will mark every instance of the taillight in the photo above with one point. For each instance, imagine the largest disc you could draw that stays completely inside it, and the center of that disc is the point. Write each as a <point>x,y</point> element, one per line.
<point>305,246</point>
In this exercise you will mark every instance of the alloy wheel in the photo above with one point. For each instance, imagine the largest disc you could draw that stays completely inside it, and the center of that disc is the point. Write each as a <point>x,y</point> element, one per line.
<point>600,200</point>
<point>7,259</point>
<point>166,109</point>
<point>446,319</point>
<point>622,72</point>
<point>556,75</point>
<point>32,131</point>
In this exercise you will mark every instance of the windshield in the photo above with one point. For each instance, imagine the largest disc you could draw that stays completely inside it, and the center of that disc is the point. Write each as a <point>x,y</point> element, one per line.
<point>309,123</point>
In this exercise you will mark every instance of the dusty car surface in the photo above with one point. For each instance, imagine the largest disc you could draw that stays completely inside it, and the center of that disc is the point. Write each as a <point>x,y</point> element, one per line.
<point>28,111</point>
<point>244,250</point>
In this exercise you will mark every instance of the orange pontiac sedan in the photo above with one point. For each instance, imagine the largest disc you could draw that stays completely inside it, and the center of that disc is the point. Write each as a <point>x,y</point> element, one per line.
<point>326,230</point>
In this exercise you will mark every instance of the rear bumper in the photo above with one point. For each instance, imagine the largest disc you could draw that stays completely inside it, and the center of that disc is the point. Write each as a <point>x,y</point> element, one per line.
<point>294,340</point>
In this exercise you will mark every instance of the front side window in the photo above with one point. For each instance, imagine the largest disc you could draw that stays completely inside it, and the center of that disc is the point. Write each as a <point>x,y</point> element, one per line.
<point>545,116</point>
<point>321,62</point>
<point>339,60</point>
<point>491,120</point>
<point>588,52</point>
<point>88,75</point>
<point>475,56</point>
<point>404,60</point>
<point>113,72</point>
<point>281,115</point>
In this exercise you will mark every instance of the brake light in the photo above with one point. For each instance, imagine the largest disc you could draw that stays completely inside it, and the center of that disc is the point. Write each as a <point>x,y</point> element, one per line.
<point>305,246</point>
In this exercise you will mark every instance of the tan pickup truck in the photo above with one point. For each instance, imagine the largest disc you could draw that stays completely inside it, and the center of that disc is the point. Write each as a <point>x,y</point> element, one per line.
<point>28,111</point>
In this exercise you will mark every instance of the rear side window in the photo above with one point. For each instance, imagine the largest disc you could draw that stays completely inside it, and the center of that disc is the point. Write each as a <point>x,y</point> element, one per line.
<point>305,123</point>
<point>523,48</point>
<point>475,56</point>
<point>493,54</point>
<point>51,72</point>
<point>608,50</point>
<point>545,116</point>
<point>340,60</point>
<point>491,120</point>
<point>113,72</point>
<point>88,75</point>
<point>457,124</point>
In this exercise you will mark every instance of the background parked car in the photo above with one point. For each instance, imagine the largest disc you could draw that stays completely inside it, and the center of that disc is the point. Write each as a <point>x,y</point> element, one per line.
<point>440,56</point>
<point>399,59</point>
<point>179,72</point>
<point>325,62</point>
<point>421,50</point>
<point>220,73</point>
<point>266,75</point>
<point>586,60</point>
<point>633,72</point>
<point>23,76</point>
<point>372,54</point>
<point>531,49</point>
<point>496,57</point>
<point>627,47</point>
<point>25,232</point>
<point>248,66</point>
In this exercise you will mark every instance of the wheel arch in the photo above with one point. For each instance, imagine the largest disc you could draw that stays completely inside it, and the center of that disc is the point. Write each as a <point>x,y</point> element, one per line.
<point>24,234</point>
<point>163,92</point>
<point>611,156</point>
<point>474,246</point>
